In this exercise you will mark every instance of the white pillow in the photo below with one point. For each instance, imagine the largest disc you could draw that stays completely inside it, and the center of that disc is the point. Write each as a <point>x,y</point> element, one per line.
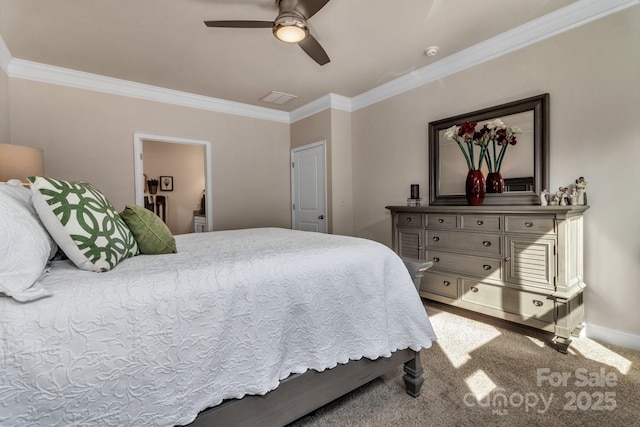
<point>83,223</point>
<point>25,246</point>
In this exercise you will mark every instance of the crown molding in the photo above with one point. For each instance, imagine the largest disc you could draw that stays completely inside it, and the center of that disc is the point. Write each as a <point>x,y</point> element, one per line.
<point>569,17</point>
<point>63,76</point>
<point>5,56</point>
<point>331,100</point>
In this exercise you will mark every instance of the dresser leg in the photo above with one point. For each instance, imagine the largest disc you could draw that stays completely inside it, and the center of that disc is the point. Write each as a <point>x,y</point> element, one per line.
<point>413,379</point>
<point>562,344</point>
<point>576,332</point>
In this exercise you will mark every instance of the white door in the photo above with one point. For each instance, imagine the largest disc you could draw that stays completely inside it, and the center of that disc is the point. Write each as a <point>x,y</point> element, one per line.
<point>308,190</point>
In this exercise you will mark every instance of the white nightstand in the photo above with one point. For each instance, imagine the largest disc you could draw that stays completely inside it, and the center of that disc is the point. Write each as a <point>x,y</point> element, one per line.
<point>199,222</point>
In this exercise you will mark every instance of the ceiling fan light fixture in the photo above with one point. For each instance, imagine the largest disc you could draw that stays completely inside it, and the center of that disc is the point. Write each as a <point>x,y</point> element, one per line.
<point>290,28</point>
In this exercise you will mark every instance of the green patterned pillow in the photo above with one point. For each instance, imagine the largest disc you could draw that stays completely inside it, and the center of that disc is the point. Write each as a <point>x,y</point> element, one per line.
<point>83,223</point>
<point>153,235</point>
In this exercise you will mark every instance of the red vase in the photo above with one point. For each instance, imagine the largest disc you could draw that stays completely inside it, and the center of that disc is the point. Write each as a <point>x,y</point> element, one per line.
<point>495,183</point>
<point>475,187</point>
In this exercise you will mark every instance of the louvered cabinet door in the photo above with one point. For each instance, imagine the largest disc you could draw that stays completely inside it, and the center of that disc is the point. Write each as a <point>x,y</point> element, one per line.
<point>530,261</point>
<point>410,242</point>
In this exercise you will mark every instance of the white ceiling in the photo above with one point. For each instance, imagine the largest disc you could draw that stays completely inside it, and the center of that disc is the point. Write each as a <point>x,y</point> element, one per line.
<point>165,42</point>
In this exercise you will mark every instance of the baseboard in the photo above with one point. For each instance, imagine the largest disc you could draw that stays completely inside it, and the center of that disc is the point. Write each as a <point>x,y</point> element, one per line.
<point>612,336</point>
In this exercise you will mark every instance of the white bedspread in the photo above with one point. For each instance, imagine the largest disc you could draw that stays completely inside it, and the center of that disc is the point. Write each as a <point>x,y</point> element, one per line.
<point>160,338</point>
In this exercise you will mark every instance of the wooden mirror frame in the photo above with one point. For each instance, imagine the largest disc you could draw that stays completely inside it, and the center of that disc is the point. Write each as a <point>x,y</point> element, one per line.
<point>540,107</point>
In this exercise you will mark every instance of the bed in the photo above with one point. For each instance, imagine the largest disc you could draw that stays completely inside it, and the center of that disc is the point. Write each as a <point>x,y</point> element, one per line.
<point>236,324</point>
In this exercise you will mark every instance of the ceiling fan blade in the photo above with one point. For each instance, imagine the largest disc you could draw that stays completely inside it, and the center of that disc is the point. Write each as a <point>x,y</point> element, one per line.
<point>311,46</point>
<point>239,24</point>
<point>308,8</point>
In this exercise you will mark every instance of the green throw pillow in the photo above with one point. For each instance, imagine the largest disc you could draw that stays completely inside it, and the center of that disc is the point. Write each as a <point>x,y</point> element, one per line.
<point>153,235</point>
<point>82,222</point>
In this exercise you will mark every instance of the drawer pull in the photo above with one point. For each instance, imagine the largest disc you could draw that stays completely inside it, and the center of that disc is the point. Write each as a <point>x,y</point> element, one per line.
<point>474,289</point>
<point>537,303</point>
<point>486,267</point>
<point>486,243</point>
<point>528,224</point>
<point>436,259</point>
<point>440,220</point>
<point>446,283</point>
<point>480,222</point>
<point>436,239</point>
<point>408,219</point>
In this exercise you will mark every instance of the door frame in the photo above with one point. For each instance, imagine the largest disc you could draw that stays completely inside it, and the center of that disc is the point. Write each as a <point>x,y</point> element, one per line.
<point>323,144</point>
<point>138,168</point>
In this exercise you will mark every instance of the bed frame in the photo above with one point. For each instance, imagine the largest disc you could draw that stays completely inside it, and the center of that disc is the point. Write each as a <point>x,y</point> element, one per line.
<point>301,394</point>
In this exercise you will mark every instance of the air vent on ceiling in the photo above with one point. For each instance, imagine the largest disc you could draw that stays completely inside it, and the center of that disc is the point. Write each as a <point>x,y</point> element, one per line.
<point>276,97</point>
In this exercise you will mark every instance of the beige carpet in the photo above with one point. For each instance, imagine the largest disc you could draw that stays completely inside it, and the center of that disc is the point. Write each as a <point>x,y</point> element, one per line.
<point>485,372</point>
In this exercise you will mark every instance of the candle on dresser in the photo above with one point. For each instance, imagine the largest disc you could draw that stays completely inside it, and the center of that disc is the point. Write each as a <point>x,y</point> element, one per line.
<point>415,191</point>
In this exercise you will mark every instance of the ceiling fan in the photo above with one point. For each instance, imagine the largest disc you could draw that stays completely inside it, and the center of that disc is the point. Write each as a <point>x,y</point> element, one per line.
<point>289,26</point>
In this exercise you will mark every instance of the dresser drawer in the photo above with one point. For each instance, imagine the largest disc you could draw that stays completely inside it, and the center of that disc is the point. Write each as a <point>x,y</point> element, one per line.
<point>466,264</point>
<point>442,221</point>
<point>440,284</point>
<point>478,243</point>
<point>481,222</point>
<point>525,304</point>
<point>530,224</point>
<point>408,218</point>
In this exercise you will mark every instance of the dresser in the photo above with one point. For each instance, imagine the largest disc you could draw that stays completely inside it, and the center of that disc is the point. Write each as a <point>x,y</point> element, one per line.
<point>518,263</point>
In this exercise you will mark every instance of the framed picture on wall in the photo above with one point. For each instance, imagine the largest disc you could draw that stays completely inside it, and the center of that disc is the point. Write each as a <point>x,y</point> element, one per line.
<point>166,183</point>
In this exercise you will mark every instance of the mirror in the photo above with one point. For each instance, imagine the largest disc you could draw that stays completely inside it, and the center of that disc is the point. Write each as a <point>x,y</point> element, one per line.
<point>525,167</point>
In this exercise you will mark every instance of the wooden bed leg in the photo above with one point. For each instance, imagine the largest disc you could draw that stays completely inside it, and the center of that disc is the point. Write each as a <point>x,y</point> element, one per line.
<point>413,378</point>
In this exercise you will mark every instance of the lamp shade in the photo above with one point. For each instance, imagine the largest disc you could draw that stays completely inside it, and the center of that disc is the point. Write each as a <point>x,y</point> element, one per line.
<point>19,162</point>
<point>290,33</point>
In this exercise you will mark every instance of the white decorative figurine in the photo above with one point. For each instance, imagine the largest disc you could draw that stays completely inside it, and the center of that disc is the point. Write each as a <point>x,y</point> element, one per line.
<point>543,197</point>
<point>581,188</point>
<point>573,197</point>
<point>561,196</point>
<point>564,200</point>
